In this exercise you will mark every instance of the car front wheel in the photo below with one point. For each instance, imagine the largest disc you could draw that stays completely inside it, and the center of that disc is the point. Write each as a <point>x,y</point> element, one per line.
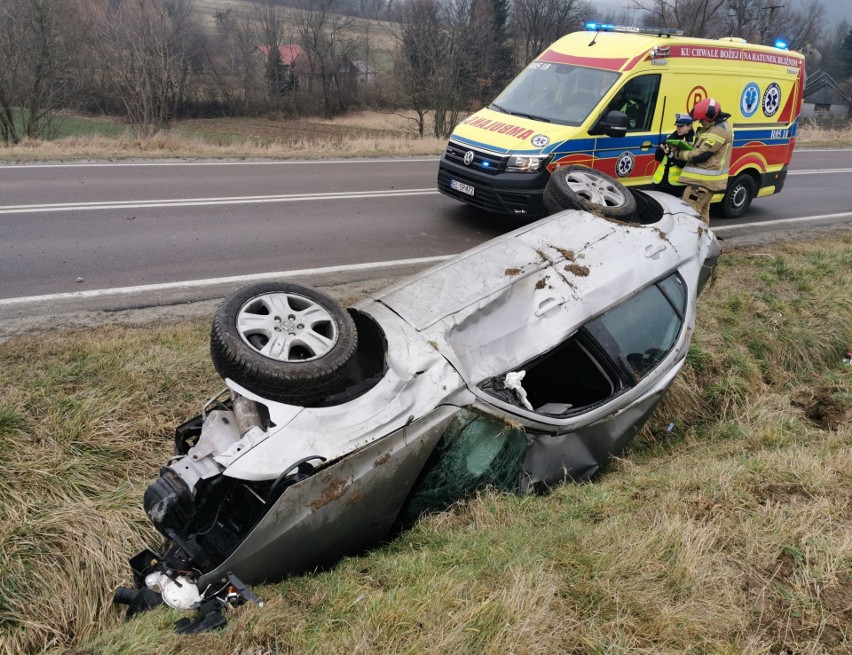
<point>283,341</point>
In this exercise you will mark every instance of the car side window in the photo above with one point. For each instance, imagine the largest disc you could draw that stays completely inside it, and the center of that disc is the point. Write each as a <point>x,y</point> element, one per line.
<point>606,356</point>
<point>637,98</point>
<point>658,311</point>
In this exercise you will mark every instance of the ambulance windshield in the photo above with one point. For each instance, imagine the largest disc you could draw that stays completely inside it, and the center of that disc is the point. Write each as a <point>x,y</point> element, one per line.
<point>555,93</point>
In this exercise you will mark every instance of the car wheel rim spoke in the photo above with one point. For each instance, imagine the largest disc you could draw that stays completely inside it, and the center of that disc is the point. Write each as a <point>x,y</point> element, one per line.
<point>593,190</point>
<point>278,303</point>
<point>278,347</point>
<point>249,324</point>
<point>314,314</point>
<point>612,198</point>
<point>315,343</point>
<point>578,182</point>
<point>287,327</point>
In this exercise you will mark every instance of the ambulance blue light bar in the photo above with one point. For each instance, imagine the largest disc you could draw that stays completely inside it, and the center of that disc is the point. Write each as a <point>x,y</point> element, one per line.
<point>781,44</point>
<point>658,31</point>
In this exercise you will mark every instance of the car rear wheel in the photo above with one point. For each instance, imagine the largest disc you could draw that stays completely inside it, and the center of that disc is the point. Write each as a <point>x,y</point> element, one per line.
<point>283,341</point>
<point>739,195</point>
<point>579,187</point>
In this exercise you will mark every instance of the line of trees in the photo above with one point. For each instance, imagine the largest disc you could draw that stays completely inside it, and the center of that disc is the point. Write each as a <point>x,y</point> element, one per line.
<point>150,61</point>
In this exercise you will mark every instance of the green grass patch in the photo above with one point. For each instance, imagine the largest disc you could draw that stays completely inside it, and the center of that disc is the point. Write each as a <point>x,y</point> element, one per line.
<point>66,126</point>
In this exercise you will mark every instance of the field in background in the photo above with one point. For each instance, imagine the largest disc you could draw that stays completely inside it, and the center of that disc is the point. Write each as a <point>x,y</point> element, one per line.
<point>360,134</point>
<point>725,529</point>
<point>379,33</point>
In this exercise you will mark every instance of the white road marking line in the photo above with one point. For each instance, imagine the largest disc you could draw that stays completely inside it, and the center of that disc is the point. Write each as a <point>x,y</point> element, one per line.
<point>245,279</point>
<point>780,221</point>
<point>240,279</point>
<point>820,170</point>
<point>236,200</point>
<point>288,162</point>
<point>194,202</point>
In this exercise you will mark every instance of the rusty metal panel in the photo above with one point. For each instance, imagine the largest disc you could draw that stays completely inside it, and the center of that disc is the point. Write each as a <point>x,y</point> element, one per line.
<point>341,510</point>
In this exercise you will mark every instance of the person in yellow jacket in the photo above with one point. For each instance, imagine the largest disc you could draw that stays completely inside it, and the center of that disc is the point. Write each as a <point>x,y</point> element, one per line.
<point>666,177</point>
<point>705,168</point>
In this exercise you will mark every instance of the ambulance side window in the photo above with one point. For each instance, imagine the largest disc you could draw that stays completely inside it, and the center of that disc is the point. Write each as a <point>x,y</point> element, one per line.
<point>638,99</point>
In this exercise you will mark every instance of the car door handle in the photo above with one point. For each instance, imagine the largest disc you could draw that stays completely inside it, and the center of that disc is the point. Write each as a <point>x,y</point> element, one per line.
<point>647,145</point>
<point>548,307</point>
<point>653,250</point>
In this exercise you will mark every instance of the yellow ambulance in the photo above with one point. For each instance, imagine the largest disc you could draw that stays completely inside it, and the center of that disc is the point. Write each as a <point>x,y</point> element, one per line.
<point>606,97</point>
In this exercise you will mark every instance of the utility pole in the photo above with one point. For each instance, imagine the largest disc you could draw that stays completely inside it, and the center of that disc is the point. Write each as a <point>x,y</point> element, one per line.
<point>765,26</point>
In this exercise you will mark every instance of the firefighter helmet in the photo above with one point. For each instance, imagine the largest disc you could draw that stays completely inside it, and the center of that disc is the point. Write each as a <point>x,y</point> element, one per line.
<point>706,109</point>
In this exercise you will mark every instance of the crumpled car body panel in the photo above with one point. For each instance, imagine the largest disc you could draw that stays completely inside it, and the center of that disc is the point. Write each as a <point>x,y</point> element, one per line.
<point>339,510</point>
<point>556,301</point>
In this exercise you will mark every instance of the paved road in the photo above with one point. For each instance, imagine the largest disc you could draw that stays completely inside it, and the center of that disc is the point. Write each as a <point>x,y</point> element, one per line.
<point>84,227</point>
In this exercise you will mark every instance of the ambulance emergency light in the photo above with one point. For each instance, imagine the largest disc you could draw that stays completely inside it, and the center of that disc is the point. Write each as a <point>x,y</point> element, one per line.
<point>607,27</point>
<point>781,44</point>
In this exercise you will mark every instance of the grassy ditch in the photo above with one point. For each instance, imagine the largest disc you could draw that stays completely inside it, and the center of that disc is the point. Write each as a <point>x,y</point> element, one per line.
<point>729,533</point>
<point>359,134</point>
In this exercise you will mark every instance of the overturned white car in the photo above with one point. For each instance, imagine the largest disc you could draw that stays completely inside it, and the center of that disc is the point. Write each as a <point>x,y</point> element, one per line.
<point>524,362</point>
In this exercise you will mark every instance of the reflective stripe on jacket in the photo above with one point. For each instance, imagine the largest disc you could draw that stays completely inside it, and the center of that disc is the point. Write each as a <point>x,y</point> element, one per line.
<point>713,172</point>
<point>674,173</point>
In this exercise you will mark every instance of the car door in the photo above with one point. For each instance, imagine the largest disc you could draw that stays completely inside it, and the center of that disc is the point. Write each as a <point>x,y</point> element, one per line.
<point>631,158</point>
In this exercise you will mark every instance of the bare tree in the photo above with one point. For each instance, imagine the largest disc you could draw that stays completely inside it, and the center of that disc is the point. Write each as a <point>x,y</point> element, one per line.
<point>487,53</point>
<point>417,29</point>
<point>437,69</point>
<point>800,29</point>
<point>830,54</point>
<point>694,17</point>
<point>328,42</point>
<point>538,23</point>
<point>452,90</point>
<point>761,22</point>
<point>35,37</point>
<point>147,48</point>
<point>271,32</point>
<point>232,63</point>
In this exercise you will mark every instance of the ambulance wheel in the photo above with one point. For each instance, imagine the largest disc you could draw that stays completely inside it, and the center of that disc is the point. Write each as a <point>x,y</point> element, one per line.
<point>283,341</point>
<point>739,195</point>
<point>579,187</point>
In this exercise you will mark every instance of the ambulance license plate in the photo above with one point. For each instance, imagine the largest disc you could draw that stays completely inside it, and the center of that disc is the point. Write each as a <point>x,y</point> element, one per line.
<point>461,186</point>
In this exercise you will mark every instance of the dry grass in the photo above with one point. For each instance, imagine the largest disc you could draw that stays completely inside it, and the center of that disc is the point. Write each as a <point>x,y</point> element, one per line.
<point>729,534</point>
<point>360,134</point>
<point>812,135</point>
<point>354,136</point>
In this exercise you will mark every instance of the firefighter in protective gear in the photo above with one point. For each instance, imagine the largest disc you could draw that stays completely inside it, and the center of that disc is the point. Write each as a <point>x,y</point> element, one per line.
<point>666,177</point>
<point>705,168</point>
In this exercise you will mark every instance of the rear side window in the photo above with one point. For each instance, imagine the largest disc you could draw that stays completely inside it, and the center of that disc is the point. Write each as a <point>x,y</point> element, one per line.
<point>646,327</point>
<point>608,355</point>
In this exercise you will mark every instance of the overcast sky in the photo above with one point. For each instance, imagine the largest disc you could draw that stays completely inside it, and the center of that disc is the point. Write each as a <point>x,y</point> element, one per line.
<point>835,10</point>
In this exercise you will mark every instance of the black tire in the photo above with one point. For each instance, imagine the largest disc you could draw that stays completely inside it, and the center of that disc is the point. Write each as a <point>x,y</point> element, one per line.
<point>580,187</point>
<point>738,197</point>
<point>283,341</point>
